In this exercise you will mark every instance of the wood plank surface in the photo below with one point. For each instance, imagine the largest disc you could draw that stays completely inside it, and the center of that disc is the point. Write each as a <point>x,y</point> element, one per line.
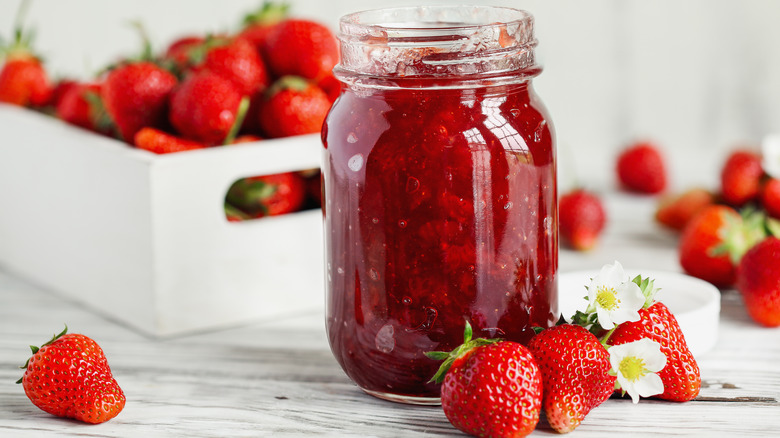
<point>278,377</point>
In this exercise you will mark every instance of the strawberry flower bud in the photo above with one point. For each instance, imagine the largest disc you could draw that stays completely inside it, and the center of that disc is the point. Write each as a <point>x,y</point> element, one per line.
<point>613,297</point>
<point>636,364</point>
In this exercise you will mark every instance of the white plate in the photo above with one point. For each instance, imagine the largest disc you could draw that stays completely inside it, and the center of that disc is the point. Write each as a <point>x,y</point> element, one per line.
<point>693,302</point>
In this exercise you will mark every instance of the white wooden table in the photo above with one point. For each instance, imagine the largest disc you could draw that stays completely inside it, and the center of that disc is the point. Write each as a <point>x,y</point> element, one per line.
<point>278,378</point>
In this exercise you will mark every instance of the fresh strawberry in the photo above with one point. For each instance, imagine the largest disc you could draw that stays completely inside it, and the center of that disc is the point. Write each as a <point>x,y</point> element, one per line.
<point>268,195</point>
<point>714,241</point>
<point>331,86</point>
<point>293,106</point>
<point>60,88</point>
<point>700,240</point>
<point>237,61</point>
<point>78,106</point>
<point>680,376</point>
<point>641,169</point>
<point>301,48</point>
<point>136,95</point>
<point>740,178</point>
<point>490,388</point>
<point>159,142</point>
<point>758,280</point>
<point>23,78</point>
<point>70,377</point>
<point>674,211</point>
<point>179,52</point>
<point>581,219</point>
<point>234,214</point>
<point>207,108</point>
<point>770,197</point>
<point>246,138</point>
<point>258,24</point>
<point>575,371</point>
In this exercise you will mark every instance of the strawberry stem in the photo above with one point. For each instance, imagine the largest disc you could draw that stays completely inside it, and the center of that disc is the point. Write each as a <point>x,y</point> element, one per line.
<point>606,337</point>
<point>450,357</point>
<point>243,107</point>
<point>269,13</point>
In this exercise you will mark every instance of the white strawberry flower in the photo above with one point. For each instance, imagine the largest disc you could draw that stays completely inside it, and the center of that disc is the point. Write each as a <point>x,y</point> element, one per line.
<point>636,365</point>
<point>614,296</point>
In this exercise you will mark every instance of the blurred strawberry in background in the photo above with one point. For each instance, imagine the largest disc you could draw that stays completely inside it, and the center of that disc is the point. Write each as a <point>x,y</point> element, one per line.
<point>642,169</point>
<point>23,79</point>
<point>581,219</point>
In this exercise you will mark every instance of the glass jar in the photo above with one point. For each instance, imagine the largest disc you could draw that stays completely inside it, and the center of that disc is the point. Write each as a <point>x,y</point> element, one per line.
<point>440,200</point>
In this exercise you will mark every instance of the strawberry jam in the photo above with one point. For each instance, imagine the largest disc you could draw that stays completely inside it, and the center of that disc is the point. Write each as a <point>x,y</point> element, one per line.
<point>440,193</point>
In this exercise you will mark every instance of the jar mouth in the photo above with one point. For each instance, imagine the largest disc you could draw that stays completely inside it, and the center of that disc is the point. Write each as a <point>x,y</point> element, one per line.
<point>466,41</point>
<point>401,22</point>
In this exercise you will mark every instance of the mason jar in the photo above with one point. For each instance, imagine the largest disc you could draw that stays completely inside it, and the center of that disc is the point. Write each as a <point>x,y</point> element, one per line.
<point>440,200</point>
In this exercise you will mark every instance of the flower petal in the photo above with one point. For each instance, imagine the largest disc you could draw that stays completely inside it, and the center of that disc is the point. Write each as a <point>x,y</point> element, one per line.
<point>605,319</point>
<point>649,385</point>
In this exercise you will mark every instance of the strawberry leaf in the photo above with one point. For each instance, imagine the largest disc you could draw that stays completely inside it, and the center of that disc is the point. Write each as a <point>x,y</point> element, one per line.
<point>449,358</point>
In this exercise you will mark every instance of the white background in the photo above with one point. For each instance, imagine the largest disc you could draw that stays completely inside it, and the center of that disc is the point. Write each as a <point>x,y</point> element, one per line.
<point>700,77</point>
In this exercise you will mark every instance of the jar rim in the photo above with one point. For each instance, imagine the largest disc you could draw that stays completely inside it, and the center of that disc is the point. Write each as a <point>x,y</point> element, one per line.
<point>482,16</point>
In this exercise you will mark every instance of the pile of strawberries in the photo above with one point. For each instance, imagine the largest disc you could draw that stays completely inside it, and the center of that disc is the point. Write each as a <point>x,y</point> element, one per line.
<point>273,78</point>
<point>640,168</point>
<point>496,388</point>
<point>730,237</point>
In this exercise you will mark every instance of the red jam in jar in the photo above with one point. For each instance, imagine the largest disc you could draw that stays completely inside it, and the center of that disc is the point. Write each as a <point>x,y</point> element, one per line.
<point>440,192</point>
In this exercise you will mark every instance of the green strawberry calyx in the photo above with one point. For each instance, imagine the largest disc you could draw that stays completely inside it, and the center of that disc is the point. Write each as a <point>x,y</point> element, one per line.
<point>36,349</point>
<point>20,47</point>
<point>269,13</point>
<point>450,357</point>
<point>739,234</point>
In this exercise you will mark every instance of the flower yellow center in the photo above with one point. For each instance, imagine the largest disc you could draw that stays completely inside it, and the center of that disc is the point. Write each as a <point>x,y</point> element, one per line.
<point>632,368</point>
<point>607,298</point>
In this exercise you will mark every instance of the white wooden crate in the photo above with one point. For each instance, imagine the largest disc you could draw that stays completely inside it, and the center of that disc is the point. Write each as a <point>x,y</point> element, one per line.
<point>142,238</point>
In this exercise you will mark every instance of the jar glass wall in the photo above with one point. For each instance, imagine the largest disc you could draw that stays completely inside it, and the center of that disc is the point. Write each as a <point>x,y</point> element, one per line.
<point>439,192</point>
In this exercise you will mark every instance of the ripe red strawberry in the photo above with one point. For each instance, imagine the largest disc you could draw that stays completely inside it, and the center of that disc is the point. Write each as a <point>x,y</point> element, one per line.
<point>259,23</point>
<point>714,241</point>
<point>159,142</point>
<point>23,78</point>
<point>758,280</point>
<point>246,138</point>
<point>740,178</point>
<point>293,106</point>
<point>70,377</point>
<point>268,195</point>
<point>675,211</point>
<point>60,88</point>
<point>179,52</point>
<point>770,197</point>
<point>206,108</point>
<point>77,106</point>
<point>641,168</point>
<point>701,237</point>
<point>301,48</point>
<point>331,86</point>
<point>233,214</point>
<point>575,371</point>
<point>581,219</point>
<point>680,376</point>
<point>239,62</point>
<point>490,388</point>
<point>136,95</point>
